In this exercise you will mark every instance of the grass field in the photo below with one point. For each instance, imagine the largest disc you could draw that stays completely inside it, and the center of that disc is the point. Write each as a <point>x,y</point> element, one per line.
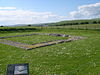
<point>74,58</point>
<point>35,39</point>
<point>82,27</point>
<point>34,28</point>
<point>85,26</point>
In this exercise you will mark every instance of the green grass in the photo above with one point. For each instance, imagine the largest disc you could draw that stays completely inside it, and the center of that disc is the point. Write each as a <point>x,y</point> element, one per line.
<point>74,58</point>
<point>35,39</point>
<point>84,26</point>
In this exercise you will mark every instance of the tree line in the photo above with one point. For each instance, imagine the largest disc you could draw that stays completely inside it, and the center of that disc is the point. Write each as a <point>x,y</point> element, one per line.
<point>75,22</point>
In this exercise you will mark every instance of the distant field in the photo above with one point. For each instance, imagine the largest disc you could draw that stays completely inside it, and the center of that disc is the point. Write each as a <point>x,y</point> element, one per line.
<point>74,58</point>
<point>36,28</point>
<point>86,26</point>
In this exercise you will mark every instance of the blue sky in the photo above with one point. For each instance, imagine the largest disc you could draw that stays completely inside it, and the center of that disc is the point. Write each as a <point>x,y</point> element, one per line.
<point>42,11</point>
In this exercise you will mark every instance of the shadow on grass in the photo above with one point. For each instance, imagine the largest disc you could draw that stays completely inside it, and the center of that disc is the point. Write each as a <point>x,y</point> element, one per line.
<point>9,30</point>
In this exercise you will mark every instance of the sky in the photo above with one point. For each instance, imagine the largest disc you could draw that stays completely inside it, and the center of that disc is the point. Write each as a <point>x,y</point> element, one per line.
<point>44,11</point>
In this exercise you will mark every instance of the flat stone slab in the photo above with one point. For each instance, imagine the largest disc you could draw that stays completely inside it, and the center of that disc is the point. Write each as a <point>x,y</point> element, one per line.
<point>28,46</point>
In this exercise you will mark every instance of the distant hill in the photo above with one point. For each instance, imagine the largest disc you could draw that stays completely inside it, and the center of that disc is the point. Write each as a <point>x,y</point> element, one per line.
<point>75,22</point>
<point>66,22</point>
<point>71,22</point>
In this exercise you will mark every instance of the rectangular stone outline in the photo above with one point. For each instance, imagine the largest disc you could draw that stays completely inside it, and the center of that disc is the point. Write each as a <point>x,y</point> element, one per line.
<point>28,47</point>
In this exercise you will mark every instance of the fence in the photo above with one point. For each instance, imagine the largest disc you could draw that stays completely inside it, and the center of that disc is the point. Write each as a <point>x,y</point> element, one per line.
<point>85,27</point>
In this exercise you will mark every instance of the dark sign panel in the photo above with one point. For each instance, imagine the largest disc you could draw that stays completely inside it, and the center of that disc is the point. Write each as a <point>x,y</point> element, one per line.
<point>18,69</point>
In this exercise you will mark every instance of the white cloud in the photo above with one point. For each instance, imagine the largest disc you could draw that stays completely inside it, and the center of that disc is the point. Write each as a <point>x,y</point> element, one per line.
<point>87,11</point>
<point>9,16</point>
<point>7,7</point>
<point>28,17</point>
